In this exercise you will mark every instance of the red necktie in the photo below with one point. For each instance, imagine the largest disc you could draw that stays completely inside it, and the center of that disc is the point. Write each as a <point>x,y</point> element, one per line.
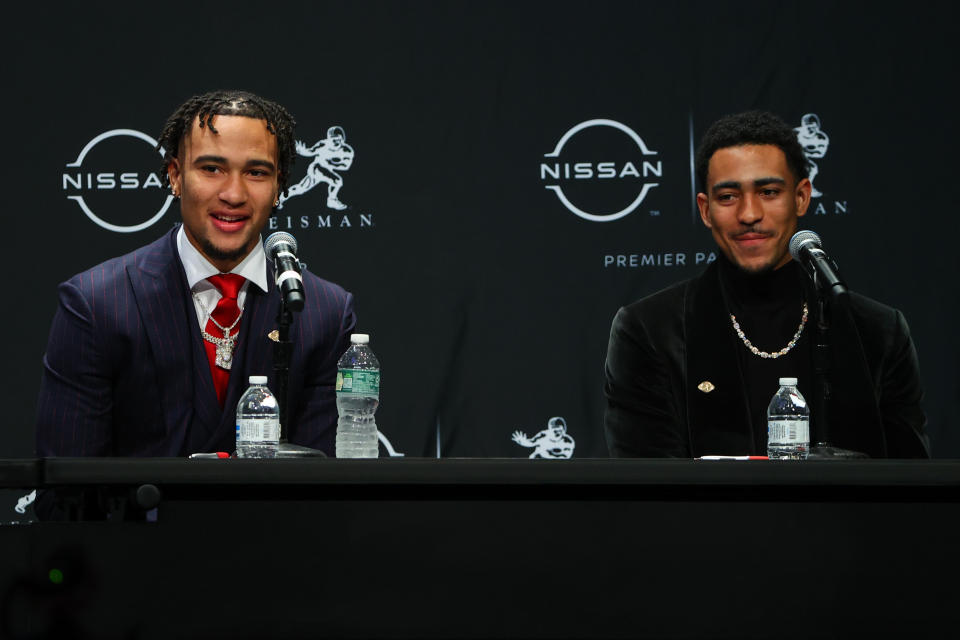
<point>227,314</point>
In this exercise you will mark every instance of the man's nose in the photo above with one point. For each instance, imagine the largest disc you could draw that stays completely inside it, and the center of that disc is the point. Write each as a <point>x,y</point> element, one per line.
<point>751,211</point>
<point>234,191</point>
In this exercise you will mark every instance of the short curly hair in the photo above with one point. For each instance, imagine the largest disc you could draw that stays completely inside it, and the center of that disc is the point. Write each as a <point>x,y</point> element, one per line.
<point>750,127</point>
<point>230,103</point>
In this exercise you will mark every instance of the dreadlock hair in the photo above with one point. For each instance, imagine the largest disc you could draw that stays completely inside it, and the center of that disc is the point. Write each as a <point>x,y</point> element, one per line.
<point>750,127</point>
<point>229,103</point>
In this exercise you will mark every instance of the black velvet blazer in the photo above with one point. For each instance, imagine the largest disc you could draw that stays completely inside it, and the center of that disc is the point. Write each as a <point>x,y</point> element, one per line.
<point>663,346</point>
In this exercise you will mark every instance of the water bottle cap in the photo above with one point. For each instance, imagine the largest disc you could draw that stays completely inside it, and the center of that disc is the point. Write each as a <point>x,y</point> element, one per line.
<point>359,338</point>
<point>258,379</point>
<point>788,382</point>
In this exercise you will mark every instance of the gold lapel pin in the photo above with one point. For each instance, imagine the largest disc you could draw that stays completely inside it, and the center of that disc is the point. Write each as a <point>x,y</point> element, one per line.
<point>274,335</point>
<point>706,386</point>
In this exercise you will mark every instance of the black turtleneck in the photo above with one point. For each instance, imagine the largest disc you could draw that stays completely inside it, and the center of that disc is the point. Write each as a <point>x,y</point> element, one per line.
<point>768,307</point>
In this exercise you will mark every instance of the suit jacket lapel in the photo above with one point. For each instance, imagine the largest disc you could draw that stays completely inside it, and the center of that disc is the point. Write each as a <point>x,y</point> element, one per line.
<point>160,289</point>
<point>206,409</point>
<point>718,419</point>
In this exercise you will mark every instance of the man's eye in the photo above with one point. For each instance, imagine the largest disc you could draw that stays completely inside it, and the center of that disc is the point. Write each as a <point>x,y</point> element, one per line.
<point>209,168</point>
<point>769,192</point>
<point>725,197</point>
<point>258,173</point>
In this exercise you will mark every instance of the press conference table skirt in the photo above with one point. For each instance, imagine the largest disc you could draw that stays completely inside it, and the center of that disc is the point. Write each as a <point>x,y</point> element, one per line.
<point>471,548</point>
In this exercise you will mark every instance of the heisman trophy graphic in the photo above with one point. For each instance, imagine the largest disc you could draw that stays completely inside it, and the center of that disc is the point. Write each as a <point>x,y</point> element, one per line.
<point>330,155</point>
<point>552,442</point>
<point>814,142</point>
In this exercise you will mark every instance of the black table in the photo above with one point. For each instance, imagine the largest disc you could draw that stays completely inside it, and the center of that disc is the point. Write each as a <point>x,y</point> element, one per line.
<point>476,548</point>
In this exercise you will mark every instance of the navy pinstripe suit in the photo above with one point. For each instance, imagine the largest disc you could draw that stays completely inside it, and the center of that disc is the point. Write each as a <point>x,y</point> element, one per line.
<point>125,372</point>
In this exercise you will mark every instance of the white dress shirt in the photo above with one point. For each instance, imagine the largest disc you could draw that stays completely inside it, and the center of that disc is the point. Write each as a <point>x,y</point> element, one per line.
<point>198,269</point>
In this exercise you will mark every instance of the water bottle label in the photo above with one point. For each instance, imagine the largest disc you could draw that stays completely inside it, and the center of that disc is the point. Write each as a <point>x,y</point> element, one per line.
<point>358,381</point>
<point>788,431</point>
<point>258,430</point>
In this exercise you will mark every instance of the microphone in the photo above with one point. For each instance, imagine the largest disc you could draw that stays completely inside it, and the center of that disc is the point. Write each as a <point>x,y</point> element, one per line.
<point>282,249</point>
<point>805,249</point>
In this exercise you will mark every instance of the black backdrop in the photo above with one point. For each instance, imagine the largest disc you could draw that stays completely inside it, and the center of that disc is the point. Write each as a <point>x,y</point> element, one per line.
<point>488,301</point>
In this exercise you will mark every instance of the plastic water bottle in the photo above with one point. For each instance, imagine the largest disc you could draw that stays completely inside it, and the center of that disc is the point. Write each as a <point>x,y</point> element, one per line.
<point>358,394</point>
<point>788,423</point>
<point>258,421</point>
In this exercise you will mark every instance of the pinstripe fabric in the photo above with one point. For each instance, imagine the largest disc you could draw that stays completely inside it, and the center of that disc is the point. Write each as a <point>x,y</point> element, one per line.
<point>125,373</point>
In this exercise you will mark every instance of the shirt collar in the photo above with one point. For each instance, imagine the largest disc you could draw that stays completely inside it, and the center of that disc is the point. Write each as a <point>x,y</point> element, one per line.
<point>198,268</point>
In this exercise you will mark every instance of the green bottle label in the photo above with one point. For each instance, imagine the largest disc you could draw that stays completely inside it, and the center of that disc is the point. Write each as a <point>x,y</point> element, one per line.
<point>358,381</point>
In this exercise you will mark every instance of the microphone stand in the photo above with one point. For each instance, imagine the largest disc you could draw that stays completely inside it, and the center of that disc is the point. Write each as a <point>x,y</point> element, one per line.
<point>822,361</point>
<point>282,351</point>
<point>822,364</point>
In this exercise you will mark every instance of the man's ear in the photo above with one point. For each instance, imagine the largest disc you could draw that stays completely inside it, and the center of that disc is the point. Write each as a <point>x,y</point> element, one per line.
<point>703,204</point>
<point>804,187</point>
<point>175,176</point>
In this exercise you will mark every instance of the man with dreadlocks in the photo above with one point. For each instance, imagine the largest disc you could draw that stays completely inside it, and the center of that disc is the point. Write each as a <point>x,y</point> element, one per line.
<point>150,352</point>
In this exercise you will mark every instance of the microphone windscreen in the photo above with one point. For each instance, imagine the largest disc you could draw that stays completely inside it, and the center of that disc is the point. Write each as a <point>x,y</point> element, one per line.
<point>277,238</point>
<point>800,239</point>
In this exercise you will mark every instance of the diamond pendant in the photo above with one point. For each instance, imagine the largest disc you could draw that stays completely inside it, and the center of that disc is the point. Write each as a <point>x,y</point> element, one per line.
<point>224,356</point>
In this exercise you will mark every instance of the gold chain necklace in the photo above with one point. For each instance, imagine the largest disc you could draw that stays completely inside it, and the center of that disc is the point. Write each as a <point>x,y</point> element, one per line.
<point>775,354</point>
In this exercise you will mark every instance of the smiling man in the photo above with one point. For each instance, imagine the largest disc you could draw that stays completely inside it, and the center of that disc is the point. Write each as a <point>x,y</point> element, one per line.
<point>690,370</point>
<point>150,352</point>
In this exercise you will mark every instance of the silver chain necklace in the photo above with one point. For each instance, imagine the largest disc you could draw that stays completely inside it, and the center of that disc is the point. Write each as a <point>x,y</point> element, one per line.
<point>775,354</point>
<point>224,345</point>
